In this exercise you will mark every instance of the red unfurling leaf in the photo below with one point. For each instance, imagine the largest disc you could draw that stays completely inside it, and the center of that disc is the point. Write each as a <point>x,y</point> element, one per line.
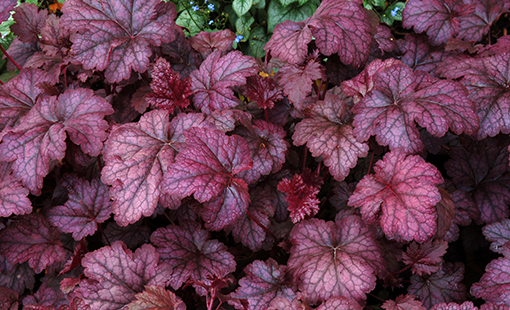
<point>302,194</point>
<point>168,90</point>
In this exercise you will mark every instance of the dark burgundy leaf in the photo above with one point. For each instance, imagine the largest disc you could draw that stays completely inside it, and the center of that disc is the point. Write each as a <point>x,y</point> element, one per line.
<point>226,120</point>
<point>401,97</point>
<point>465,208</point>
<point>425,258</point>
<point>156,298</point>
<point>297,81</point>
<point>402,302</point>
<point>191,255</point>
<point>136,156</point>
<point>439,18</point>
<point>13,196</point>
<point>116,274</point>
<point>54,38</point>
<point>75,304</point>
<point>29,21</point>
<point>499,234</point>
<point>31,238</point>
<point>21,52</point>
<point>19,95</point>
<point>39,141</point>
<point>494,286</point>
<point>486,79</point>
<point>17,277</point>
<point>207,42</point>
<point>477,24</point>
<point>211,83</point>
<point>334,259</point>
<point>168,90</point>
<point>8,297</point>
<point>116,35</point>
<point>5,11</point>
<point>302,193</point>
<point>484,174</point>
<point>264,281</point>
<point>75,260</point>
<point>268,149</point>
<point>385,38</point>
<point>402,195</point>
<point>442,286</point>
<point>445,213</point>
<point>206,168</point>
<point>132,235</point>
<point>263,90</point>
<point>183,57</point>
<point>339,27</point>
<point>247,229</point>
<point>88,205</point>
<point>44,299</point>
<point>328,133</point>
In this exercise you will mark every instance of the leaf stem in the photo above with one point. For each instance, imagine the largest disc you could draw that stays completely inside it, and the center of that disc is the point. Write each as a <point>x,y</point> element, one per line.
<point>9,57</point>
<point>371,162</point>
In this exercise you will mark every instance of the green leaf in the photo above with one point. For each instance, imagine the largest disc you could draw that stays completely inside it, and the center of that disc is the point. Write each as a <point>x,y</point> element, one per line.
<point>242,7</point>
<point>193,24</point>
<point>378,3</point>
<point>277,13</point>
<point>243,25</point>
<point>260,4</point>
<point>257,41</point>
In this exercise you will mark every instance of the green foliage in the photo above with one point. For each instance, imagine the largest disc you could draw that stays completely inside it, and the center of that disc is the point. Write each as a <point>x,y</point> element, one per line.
<point>388,12</point>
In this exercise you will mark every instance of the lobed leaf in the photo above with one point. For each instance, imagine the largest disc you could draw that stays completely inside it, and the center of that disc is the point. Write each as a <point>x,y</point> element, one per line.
<point>494,286</point>
<point>29,21</point>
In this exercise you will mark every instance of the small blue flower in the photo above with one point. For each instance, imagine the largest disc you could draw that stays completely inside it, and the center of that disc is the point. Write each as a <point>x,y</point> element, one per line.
<point>238,38</point>
<point>191,2</point>
<point>195,8</point>
<point>210,22</point>
<point>205,1</point>
<point>211,7</point>
<point>394,11</point>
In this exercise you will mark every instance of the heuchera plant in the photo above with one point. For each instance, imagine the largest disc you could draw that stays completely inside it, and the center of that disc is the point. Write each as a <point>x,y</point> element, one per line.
<point>354,166</point>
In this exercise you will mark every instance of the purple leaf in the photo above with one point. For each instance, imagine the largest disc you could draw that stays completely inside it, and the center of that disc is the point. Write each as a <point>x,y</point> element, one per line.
<point>402,195</point>
<point>339,27</point>
<point>484,174</point>
<point>494,286</point>
<point>385,38</point>
<point>168,90</point>
<point>132,235</point>
<point>302,193</point>
<point>328,133</point>
<point>247,229</point>
<point>486,80</point>
<point>13,196</point>
<point>88,205</point>
<point>263,90</point>
<point>29,21</point>
<point>207,169</point>
<point>401,97</point>
<point>21,52</point>
<point>54,38</point>
<point>116,35</point>
<point>468,305</point>
<point>46,298</point>
<point>442,286</point>
<point>334,259</point>
<point>8,297</point>
<point>136,156</point>
<point>19,95</point>
<point>191,255</point>
<point>156,298</point>
<point>39,141</point>
<point>402,302</point>
<point>5,9</point>
<point>499,234</point>
<point>211,83</point>
<point>439,18</point>
<point>425,258</point>
<point>31,238</point>
<point>297,81</point>
<point>264,281</point>
<point>477,24</point>
<point>268,149</point>
<point>207,42</point>
<point>17,277</point>
<point>340,303</point>
<point>115,275</point>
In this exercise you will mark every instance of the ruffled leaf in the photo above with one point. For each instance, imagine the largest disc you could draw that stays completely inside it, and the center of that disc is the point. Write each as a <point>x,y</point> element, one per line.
<point>494,286</point>
<point>5,9</point>
<point>207,42</point>
<point>13,196</point>
<point>402,302</point>
<point>211,83</point>
<point>263,90</point>
<point>156,298</point>
<point>477,24</point>
<point>29,21</point>
<point>499,234</point>
<point>425,258</point>
<point>297,81</point>
<point>191,255</point>
<point>334,259</point>
<point>116,35</point>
